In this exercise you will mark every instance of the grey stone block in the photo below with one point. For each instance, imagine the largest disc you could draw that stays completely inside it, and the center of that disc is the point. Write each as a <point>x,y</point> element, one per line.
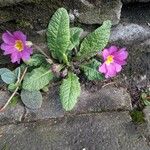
<point>51,107</point>
<point>104,131</point>
<point>12,114</point>
<point>129,33</point>
<point>108,98</point>
<point>131,1</point>
<point>97,11</point>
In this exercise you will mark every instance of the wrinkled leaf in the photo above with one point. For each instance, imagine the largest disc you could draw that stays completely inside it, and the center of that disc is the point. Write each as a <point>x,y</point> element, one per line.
<point>37,79</point>
<point>59,34</point>
<point>9,77</point>
<point>36,60</point>
<point>69,91</point>
<point>74,37</point>
<point>94,42</point>
<point>91,70</point>
<point>146,102</point>
<point>12,87</point>
<point>31,99</point>
<point>17,72</point>
<point>4,70</point>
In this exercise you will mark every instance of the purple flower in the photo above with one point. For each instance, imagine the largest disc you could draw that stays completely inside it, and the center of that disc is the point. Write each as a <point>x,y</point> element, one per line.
<point>114,58</point>
<point>16,45</point>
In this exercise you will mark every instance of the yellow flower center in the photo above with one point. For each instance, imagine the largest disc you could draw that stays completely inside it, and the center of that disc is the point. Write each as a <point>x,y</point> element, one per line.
<point>19,45</point>
<point>110,59</point>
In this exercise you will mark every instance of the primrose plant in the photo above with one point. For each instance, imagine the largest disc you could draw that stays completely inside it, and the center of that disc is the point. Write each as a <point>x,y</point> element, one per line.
<point>69,55</point>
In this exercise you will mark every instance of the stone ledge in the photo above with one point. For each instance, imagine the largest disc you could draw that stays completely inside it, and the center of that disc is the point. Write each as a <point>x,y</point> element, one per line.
<point>108,98</point>
<point>12,114</point>
<point>131,1</point>
<point>105,131</point>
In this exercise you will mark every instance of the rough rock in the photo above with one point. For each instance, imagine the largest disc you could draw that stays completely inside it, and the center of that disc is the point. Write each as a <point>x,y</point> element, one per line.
<point>4,3</point>
<point>97,11</point>
<point>12,114</point>
<point>109,98</point>
<point>103,131</point>
<point>131,1</point>
<point>8,2</point>
<point>5,16</point>
<point>128,33</point>
<point>84,11</point>
<point>147,116</point>
<point>137,13</point>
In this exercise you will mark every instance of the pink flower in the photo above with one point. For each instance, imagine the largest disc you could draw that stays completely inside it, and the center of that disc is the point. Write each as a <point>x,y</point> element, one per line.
<point>114,59</point>
<point>16,45</point>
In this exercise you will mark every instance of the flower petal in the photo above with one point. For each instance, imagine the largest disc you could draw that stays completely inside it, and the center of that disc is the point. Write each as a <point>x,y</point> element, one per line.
<point>112,49</point>
<point>105,54</point>
<point>20,36</point>
<point>111,70</point>
<point>29,50</point>
<point>102,68</point>
<point>25,56</point>
<point>8,38</point>
<point>15,57</point>
<point>118,67</point>
<point>121,55</point>
<point>120,62</point>
<point>8,49</point>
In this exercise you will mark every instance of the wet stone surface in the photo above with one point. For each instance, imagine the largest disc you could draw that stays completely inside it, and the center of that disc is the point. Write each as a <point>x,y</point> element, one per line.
<point>103,131</point>
<point>11,114</point>
<point>129,33</point>
<point>51,107</point>
<point>106,99</point>
<point>97,11</point>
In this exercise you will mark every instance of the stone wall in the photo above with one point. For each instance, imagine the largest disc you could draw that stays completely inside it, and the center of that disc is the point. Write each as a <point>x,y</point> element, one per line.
<point>101,119</point>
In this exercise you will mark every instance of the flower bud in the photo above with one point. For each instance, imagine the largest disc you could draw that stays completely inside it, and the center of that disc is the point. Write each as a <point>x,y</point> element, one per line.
<point>29,43</point>
<point>64,73</point>
<point>56,68</point>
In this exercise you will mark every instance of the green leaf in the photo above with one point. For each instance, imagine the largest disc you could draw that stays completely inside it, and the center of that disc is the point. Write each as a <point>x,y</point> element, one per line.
<point>37,79</point>
<point>59,34</point>
<point>69,91</point>
<point>94,42</point>
<point>36,60</point>
<point>146,102</point>
<point>137,116</point>
<point>17,72</point>
<point>91,70</point>
<point>4,70</point>
<point>14,101</point>
<point>12,87</point>
<point>31,99</point>
<point>74,37</point>
<point>9,77</point>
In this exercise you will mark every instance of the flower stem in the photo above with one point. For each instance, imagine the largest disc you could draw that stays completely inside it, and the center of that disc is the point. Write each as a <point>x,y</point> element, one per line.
<point>65,59</point>
<point>13,94</point>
